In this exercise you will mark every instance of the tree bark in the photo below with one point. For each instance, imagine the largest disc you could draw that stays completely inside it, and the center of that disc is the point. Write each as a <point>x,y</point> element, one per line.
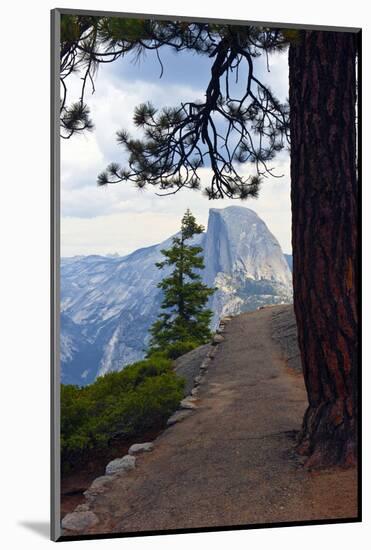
<point>324,237</point>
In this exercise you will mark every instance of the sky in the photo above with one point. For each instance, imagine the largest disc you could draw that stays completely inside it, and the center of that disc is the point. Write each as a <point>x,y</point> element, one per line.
<point>120,218</point>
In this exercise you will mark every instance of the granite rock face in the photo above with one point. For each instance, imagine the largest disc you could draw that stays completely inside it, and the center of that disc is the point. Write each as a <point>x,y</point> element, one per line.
<point>284,331</point>
<point>245,262</point>
<point>188,365</point>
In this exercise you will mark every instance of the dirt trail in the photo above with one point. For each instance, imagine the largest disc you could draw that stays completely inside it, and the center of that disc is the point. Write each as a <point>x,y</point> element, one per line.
<point>232,462</point>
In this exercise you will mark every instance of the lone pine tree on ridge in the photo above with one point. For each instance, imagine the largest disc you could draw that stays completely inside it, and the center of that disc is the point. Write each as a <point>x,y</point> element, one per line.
<point>184,323</point>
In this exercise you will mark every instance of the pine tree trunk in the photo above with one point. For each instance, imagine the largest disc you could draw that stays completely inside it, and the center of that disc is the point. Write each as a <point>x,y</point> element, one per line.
<point>324,237</point>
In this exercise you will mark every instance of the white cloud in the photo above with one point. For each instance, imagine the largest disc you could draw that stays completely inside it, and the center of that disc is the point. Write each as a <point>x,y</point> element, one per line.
<point>81,160</point>
<point>83,157</point>
<point>278,76</point>
<point>121,232</point>
<point>119,218</point>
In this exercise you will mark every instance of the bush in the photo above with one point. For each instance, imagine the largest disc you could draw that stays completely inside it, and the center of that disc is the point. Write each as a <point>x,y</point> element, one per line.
<point>177,349</point>
<point>125,403</point>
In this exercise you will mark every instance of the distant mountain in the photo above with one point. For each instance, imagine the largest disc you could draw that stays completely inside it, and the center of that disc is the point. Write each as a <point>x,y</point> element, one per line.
<point>108,303</point>
<point>288,258</point>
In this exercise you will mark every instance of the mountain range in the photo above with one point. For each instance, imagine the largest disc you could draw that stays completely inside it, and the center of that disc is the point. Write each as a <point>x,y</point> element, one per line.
<point>108,303</point>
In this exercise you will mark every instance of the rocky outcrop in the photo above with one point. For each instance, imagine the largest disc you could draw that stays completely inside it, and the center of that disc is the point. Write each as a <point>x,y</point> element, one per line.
<point>188,365</point>
<point>284,332</point>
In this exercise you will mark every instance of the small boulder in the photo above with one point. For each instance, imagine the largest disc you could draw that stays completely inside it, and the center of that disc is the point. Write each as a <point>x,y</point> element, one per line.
<point>224,320</point>
<point>190,399</point>
<point>198,380</point>
<point>194,391</point>
<point>139,448</point>
<point>79,521</point>
<point>218,338</point>
<point>124,464</point>
<point>82,508</point>
<point>98,486</point>
<point>178,416</point>
<point>188,404</point>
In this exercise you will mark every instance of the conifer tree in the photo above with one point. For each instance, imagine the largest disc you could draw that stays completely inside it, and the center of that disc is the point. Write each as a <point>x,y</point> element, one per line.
<point>184,324</point>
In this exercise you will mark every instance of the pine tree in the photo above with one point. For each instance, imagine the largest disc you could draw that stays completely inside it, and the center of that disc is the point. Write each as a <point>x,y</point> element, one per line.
<point>185,322</point>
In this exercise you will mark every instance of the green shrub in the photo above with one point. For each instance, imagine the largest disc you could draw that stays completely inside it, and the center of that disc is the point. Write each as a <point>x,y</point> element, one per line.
<point>177,349</point>
<point>125,403</point>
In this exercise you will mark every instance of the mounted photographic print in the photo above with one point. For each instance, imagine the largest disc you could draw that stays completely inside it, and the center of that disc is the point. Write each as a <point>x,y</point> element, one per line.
<point>206,272</point>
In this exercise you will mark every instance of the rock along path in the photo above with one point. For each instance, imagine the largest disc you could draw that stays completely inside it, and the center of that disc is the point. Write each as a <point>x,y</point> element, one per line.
<point>232,461</point>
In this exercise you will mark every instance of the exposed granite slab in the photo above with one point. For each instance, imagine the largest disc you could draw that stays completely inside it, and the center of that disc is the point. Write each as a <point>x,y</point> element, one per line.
<point>284,332</point>
<point>188,365</point>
